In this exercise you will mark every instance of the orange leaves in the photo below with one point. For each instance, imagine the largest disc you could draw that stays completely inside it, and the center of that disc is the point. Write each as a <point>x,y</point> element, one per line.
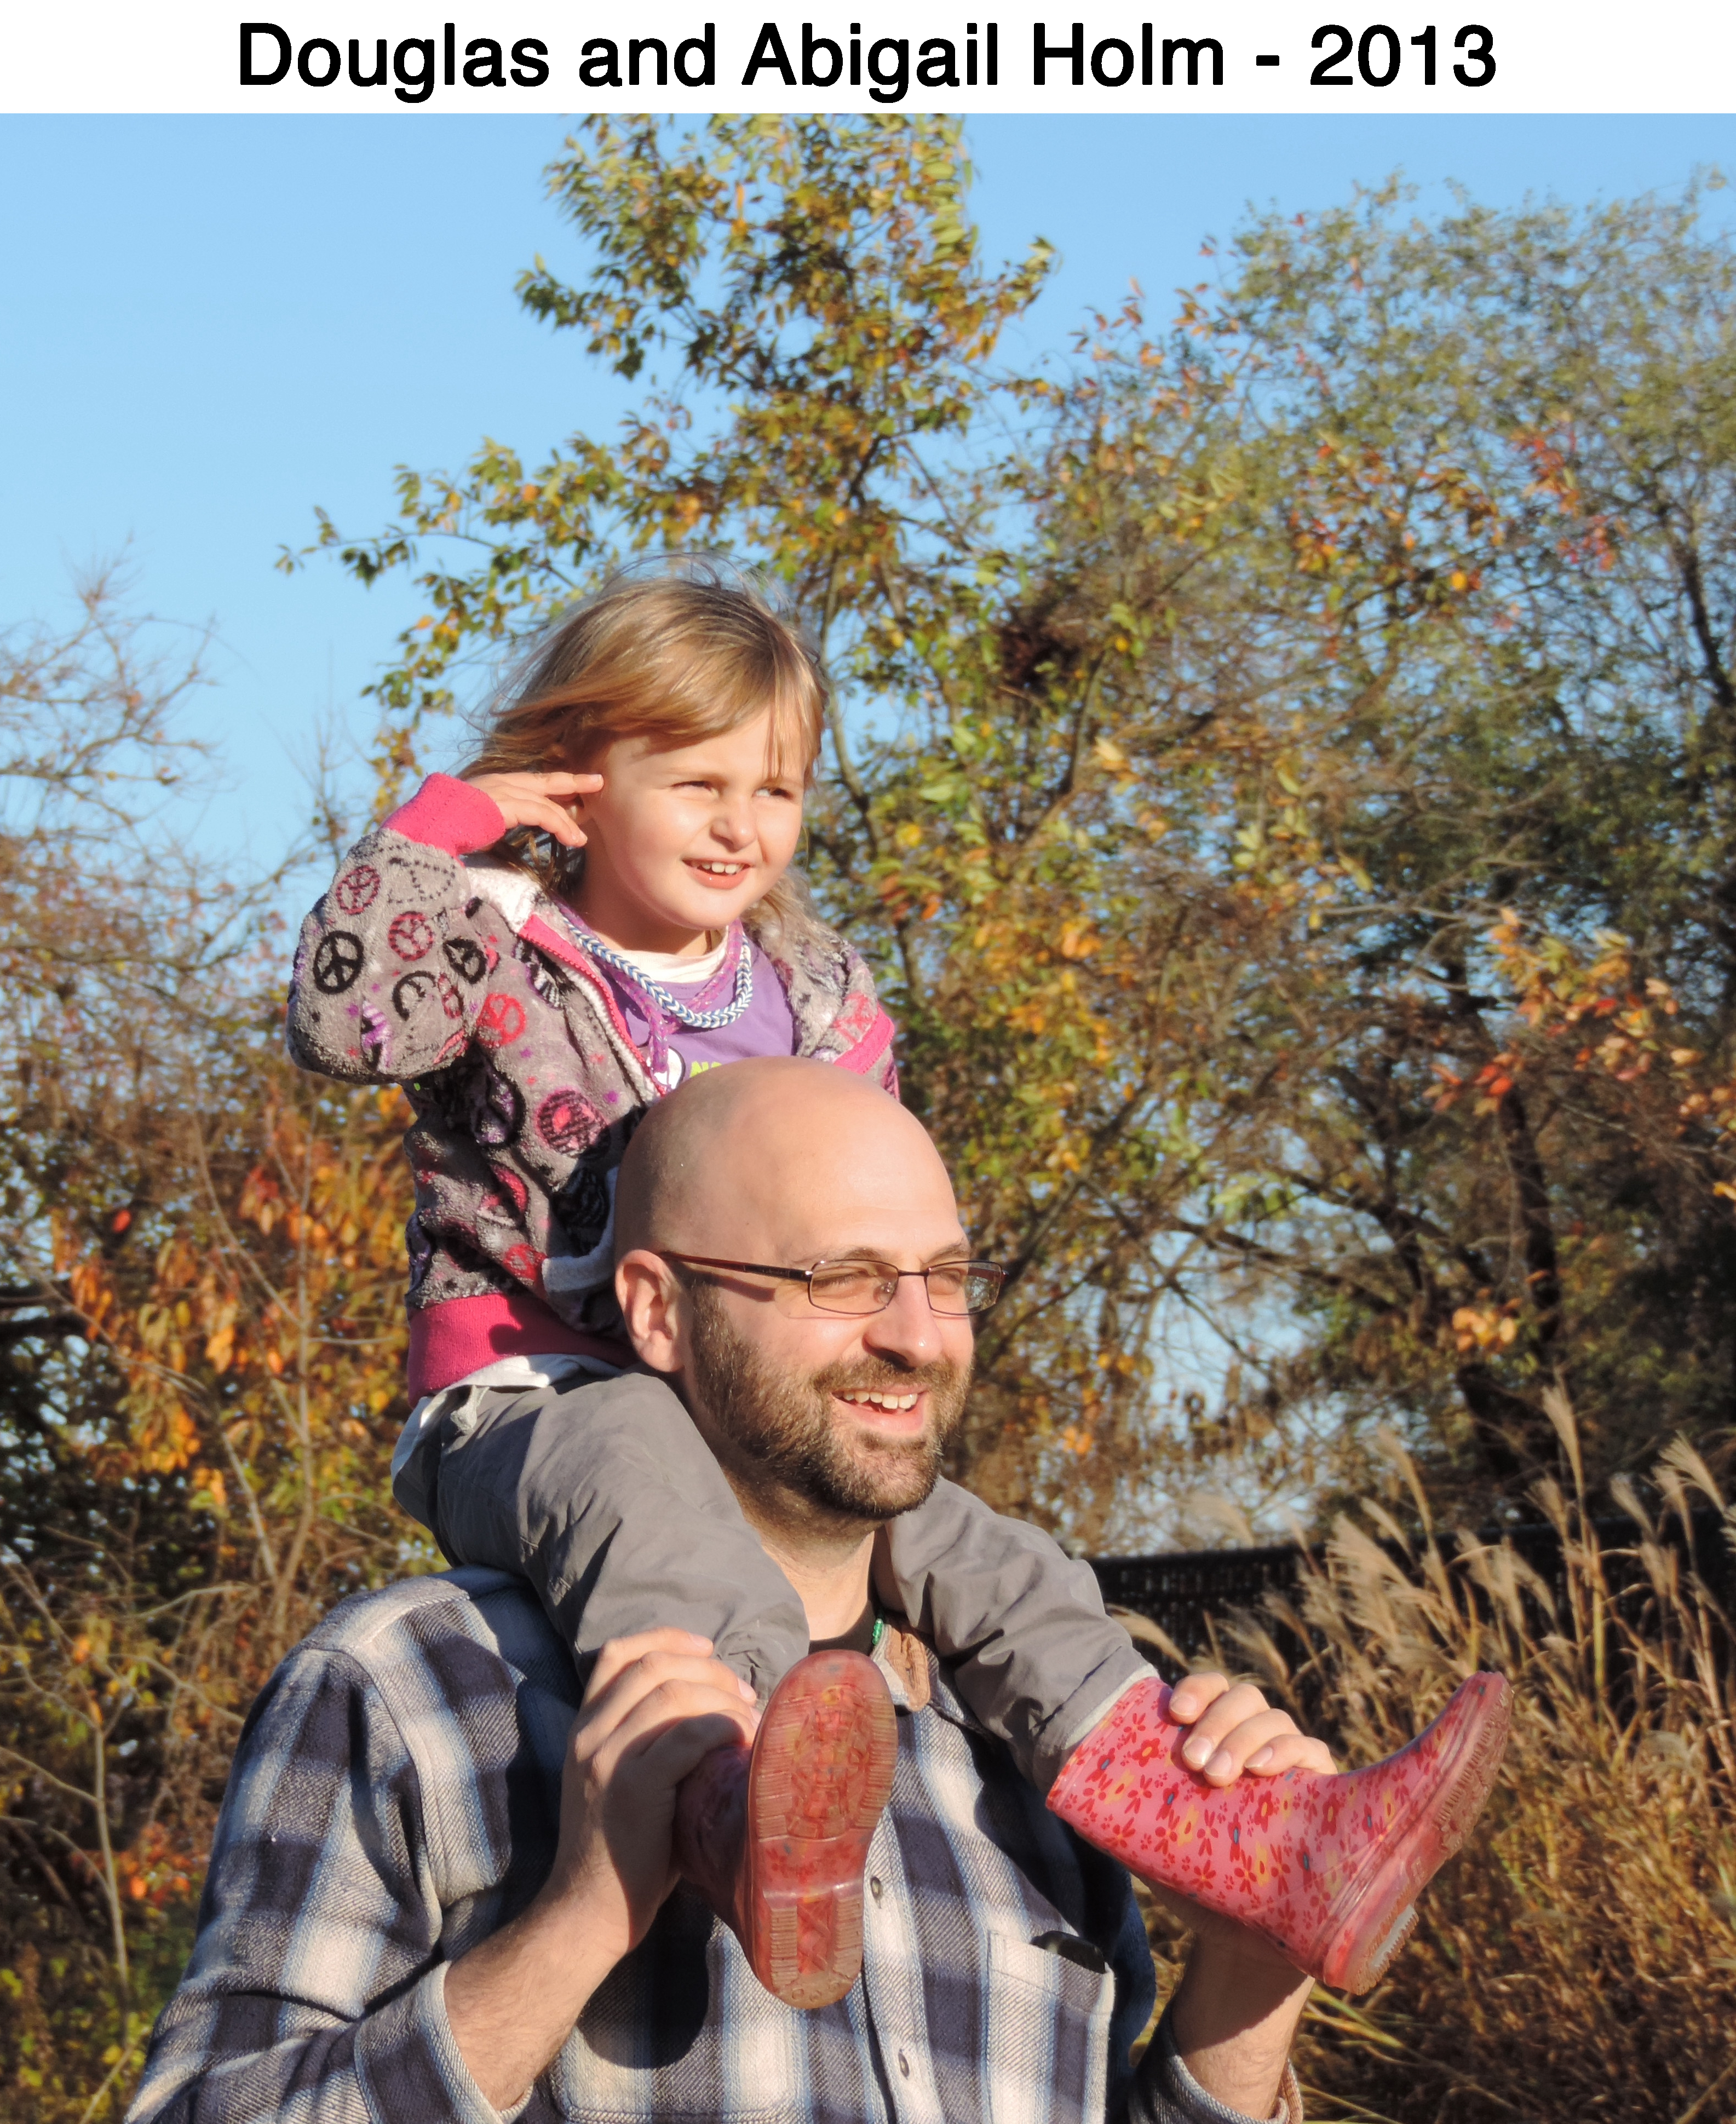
<point>1558,990</point>
<point>1599,536</point>
<point>1419,533</point>
<point>164,1436</point>
<point>219,1349</point>
<point>1489,1328</point>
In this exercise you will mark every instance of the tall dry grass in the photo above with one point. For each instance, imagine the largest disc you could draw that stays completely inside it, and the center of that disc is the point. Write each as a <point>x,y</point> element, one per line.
<point>1578,1960</point>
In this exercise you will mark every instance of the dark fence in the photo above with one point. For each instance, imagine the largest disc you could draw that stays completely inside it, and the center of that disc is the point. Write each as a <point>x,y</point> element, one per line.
<point>1178,1591</point>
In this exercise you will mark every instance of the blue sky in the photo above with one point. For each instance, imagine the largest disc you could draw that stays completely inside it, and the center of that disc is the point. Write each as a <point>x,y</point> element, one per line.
<point>217,324</point>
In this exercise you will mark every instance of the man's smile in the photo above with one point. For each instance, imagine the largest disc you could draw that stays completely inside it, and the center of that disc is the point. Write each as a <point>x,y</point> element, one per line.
<point>881,1410</point>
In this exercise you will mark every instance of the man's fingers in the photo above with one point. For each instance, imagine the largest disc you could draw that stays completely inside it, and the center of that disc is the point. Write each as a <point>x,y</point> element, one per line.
<point>667,1732</point>
<point>620,1653</point>
<point>1191,1698</point>
<point>1290,1751</point>
<point>612,1707</point>
<point>1230,1752</point>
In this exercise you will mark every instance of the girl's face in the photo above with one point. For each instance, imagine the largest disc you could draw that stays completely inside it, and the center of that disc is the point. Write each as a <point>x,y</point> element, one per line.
<point>680,840</point>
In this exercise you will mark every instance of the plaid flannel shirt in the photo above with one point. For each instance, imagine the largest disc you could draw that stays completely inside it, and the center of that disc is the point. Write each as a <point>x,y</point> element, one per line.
<point>394,1801</point>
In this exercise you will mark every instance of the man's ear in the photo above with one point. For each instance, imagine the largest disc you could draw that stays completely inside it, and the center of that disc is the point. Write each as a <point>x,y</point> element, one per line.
<point>652,1303</point>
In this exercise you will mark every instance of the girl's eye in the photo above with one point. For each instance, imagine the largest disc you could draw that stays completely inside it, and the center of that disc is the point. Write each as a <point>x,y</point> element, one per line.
<point>775,789</point>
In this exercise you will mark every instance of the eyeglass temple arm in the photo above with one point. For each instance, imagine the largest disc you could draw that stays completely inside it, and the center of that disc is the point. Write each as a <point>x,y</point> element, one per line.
<point>749,1268</point>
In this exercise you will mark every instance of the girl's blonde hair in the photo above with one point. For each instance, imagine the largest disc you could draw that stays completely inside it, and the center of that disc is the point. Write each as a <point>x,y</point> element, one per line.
<point>695,648</point>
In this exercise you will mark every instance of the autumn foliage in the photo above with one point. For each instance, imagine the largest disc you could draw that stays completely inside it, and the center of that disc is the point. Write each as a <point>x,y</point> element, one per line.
<point>1281,775</point>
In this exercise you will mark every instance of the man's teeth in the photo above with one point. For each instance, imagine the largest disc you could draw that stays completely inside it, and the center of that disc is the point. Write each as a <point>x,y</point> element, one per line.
<point>883,1400</point>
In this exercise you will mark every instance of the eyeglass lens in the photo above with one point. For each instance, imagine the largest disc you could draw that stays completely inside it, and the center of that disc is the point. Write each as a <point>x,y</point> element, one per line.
<point>870,1286</point>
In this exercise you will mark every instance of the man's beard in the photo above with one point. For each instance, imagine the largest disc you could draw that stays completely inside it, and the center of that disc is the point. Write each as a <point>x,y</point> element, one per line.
<point>780,1422</point>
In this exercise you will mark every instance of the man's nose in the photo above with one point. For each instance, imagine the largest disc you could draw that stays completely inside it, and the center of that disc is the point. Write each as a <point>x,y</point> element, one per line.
<point>907,1328</point>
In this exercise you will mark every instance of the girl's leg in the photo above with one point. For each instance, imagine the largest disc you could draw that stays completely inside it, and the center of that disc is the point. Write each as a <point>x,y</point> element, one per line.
<point>604,1496</point>
<point>1036,1657</point>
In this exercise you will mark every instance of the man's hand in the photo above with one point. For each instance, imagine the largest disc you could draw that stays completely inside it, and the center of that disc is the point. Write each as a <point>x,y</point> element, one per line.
<point>655,1705</point>
<point>1235,1730</point>
<point>1236,2011</point>
<point>533,800</point>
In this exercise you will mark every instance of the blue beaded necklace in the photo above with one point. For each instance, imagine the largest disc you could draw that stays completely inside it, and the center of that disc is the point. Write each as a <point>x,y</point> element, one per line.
<point>699,1021</point>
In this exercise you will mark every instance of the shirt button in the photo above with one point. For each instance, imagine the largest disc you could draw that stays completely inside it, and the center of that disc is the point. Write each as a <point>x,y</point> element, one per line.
<point>904,2065</point>
<point>877,1887</point>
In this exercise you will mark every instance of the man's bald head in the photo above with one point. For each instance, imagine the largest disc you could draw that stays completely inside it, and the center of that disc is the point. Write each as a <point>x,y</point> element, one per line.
<point>779,1152</point>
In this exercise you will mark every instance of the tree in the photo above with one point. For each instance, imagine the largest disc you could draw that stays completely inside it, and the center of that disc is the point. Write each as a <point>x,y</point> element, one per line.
<point>200,1349</point>
<point>1225,704</point>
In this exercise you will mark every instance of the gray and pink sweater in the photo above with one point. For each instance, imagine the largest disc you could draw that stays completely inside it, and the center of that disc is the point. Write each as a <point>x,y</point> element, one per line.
<point>431,966</point>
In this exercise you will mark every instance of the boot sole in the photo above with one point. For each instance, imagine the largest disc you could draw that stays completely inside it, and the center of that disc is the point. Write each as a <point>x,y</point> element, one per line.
<point>1381,1918</point>
<point>821,1774</point>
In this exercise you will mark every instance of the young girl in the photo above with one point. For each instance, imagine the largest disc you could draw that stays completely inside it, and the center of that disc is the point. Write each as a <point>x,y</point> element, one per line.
<point>537,951</point>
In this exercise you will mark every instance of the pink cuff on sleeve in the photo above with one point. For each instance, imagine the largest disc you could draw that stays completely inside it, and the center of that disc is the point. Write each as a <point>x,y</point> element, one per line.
<point>445,813</point>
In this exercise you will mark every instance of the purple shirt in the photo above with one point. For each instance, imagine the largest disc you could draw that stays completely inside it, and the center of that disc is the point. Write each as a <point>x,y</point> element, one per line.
<point>673,1051</point>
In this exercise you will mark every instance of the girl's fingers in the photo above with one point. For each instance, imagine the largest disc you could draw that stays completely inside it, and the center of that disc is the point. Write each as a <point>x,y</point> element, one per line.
<point>562,785</point>
<point>538,811</point>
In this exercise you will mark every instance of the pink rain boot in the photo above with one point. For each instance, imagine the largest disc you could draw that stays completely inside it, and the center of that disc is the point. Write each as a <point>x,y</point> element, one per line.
<point>775,1836</point>
<point>1325,1868</point>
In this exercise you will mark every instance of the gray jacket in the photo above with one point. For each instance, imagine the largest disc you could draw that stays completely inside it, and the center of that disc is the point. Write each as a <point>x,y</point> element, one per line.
<point>428,965</point>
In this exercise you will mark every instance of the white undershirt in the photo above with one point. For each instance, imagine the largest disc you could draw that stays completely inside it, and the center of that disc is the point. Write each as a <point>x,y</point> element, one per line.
<point>672,969</point>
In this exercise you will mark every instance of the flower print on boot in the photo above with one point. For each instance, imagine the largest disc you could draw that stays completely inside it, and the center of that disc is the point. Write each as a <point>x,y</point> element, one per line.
<point>1327,1868</point>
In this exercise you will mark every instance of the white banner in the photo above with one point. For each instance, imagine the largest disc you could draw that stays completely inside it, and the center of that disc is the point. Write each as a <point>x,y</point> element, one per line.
<point>1193,55</point>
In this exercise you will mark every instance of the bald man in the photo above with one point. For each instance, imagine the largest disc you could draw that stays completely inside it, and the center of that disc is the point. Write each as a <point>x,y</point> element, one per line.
<point>445,1880</point>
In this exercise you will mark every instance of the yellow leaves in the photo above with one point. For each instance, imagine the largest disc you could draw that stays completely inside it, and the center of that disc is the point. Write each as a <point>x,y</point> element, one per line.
<point>164,1436</point>
<point>1077,941</point>
<point>220,1347</point>
<point>1485,1327</point>
<point>211,1493</point>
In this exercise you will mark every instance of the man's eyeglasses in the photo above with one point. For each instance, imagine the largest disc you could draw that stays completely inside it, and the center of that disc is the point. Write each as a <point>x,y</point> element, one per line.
<point>870,1286</point>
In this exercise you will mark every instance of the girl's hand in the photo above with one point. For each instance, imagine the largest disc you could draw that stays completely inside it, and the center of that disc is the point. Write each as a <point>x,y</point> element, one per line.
<point>536,800</point>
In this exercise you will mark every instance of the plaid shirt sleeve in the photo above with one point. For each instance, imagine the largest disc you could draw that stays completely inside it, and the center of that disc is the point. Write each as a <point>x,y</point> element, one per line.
<point>1164,2092</point>
<point>315,1992</point>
